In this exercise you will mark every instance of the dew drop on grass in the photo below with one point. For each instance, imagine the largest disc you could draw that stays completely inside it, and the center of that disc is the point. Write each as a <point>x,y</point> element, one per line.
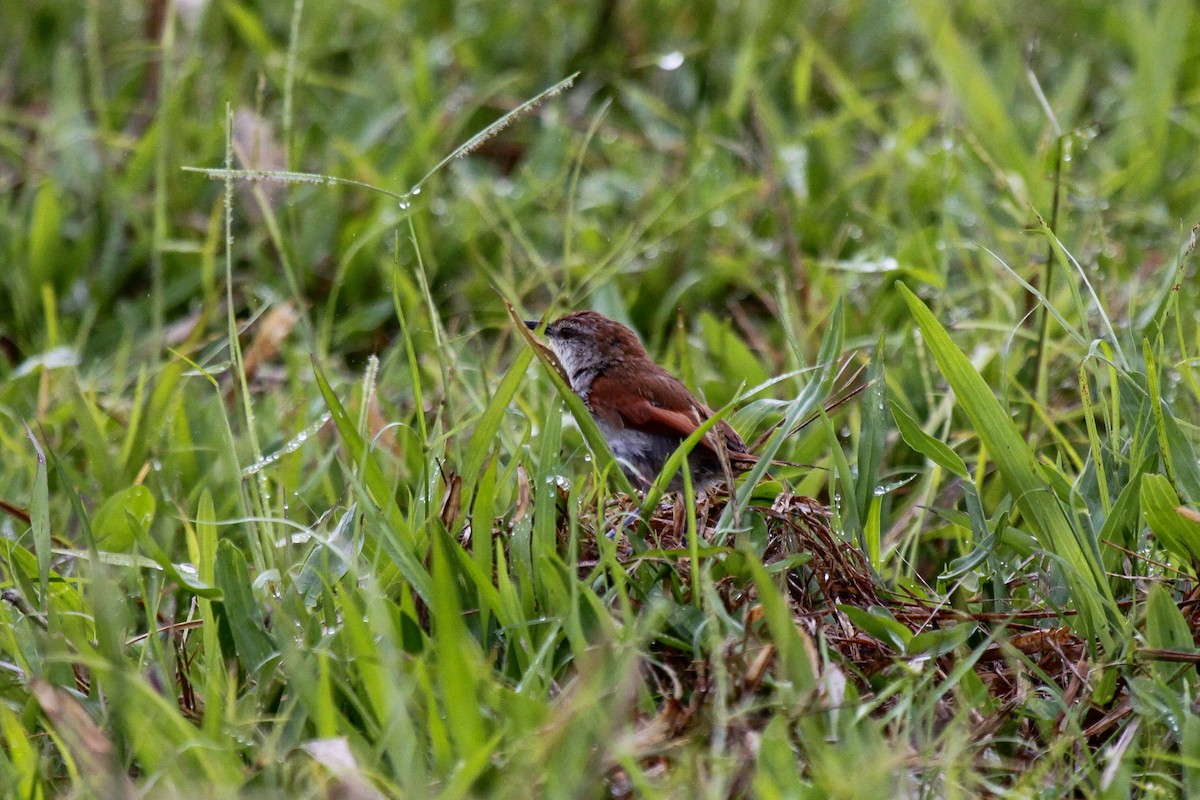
<point>670,61</point>
<point>291,446</point>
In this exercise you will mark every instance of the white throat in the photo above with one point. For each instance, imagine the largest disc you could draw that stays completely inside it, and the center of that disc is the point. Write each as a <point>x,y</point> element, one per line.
<point>574,362</point>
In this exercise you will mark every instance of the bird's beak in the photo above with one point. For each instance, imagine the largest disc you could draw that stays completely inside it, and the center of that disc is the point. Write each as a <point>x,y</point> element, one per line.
<point>532,324</point>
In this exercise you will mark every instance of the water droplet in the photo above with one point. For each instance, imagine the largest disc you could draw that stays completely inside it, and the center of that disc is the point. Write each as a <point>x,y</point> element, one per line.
<point>670,61</point>
<point>291,446</point>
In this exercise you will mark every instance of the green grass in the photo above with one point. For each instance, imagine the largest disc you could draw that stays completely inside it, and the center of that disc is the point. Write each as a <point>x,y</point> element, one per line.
<point>289,505</point>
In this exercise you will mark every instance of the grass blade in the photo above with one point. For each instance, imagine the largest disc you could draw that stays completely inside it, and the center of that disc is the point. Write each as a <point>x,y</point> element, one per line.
<point>1023,477</point>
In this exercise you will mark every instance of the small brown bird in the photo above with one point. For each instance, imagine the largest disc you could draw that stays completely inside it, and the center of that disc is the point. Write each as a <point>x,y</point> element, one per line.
<point>643,411</point>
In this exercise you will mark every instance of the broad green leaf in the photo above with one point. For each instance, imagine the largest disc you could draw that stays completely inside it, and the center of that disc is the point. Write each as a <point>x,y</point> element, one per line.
<point>879,622</point>
<point>873,433</point>
<point>846,485</point>
<point>239,612</point>
<point>1120,524</point>
<point>202,547</point>
<point>155,416</point>
<point>483,513</point>
<point>785,564</point>
<point>1177,533</point>
<point>1166,629</point>
<point>939,641</point>
<point>185,575</point>
<point>935,450</point>
<point>1189,748</point>
<point>484,437</point>
<point>110,524</point>
<point>457,654</point>
<point>1183,457</point>
<point>544,539</point>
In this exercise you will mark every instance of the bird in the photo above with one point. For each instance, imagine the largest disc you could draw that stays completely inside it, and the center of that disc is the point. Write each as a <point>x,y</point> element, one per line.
<point>643,411</point>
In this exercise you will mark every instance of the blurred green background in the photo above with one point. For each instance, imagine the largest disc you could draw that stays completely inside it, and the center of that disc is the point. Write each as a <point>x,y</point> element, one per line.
<point>740,150</point>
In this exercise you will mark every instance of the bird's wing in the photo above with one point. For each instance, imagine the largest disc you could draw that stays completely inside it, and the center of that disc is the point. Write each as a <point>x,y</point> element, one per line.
<point>660,405</point>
